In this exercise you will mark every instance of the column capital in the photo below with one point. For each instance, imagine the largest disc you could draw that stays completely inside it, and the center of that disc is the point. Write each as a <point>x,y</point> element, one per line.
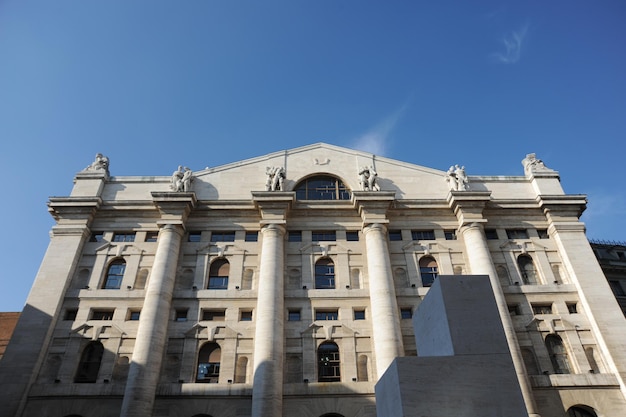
<point>273,205</point>
<point>468,206</point>
<point>373,205</point>
<point>174,207</point>
<point>274,227</point>
<point>374,226</point>
<point>73,214</point>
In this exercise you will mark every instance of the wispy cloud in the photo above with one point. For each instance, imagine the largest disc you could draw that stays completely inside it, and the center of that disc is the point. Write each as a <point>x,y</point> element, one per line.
<point>512,43</point>
<point>376,139</point>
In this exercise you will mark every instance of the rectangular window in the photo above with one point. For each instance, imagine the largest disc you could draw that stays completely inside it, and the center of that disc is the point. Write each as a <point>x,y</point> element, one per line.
<point>542,308</point>
<point>352,236</point>
<point>543,234</point>
<point>514,310</point>
<point>181,314</point>
<point>450,234</point>
<point>491,234</point>
<point>395,235</point>
<point>406,313</point>
<point>133,315</point>
<point>359,314</point>
<point>96,237</point>
<point>572,308</point>
<point>70,314</point>
<point>218,283</point>
<point>323,236</point>
<point>252,236</point>
<point>617,288</point>
<point>327,314</point>
<point>152,236</point>
<point>194,236</point>
<point>423,234</point>
<point>214,315</point>
<point>517,233</point>
<point>102,314</point>
<point>295,236</point>
<point>293,315</point>
<point>245,315</point>
<point>124,237</point>
<point>223,236</point>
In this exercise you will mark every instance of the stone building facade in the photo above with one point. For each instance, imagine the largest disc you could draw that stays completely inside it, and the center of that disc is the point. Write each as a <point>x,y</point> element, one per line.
<point>285,285</point>
<point>612,259</point>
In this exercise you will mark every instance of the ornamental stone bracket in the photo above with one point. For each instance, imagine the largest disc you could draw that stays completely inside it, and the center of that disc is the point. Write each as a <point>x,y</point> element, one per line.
<point>273,205</point>
<point>468,206</point>
<point>373,205</point>
<point>174,207</point>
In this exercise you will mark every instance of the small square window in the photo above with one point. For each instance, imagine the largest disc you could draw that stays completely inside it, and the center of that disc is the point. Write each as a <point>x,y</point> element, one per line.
<point>352,236</point>
<point>327,314</point>
<point>252,236</point>
<point>543,234</point>
<point>395,235</point>
<point>181,314</point>
<point>450,234</point>
<point>96,237</point>
<point>223,236</point>
<point>293,315</point>
<point>124,237</point>
<point>423,234</point>
<point>542,308</point>
<point>70,314</point>
<point>152,236</point>
<point>406,313</point>
<point>102,314</point>
<point>133,315</point>
<point>295,236</point>
<point>491,234</point>
<point>323,236</point>
<point>572,308</point>
<point>214,315</point>
<point>194,236</point>
<point>359,314</point>
<point>245,315</point>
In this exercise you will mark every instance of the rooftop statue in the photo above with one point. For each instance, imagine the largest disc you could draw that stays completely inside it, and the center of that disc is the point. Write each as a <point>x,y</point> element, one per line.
<point>275,178</point>
<point>533,164</point>
<point>181,180</point>
<point>457,178</point>
<point>368,178</point>
<point>100,163</point>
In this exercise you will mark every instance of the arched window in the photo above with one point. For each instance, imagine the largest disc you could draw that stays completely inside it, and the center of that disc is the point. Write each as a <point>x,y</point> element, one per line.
<point>325,274</point>
<point>322,187</point>
<point>428,270</point>
<point>115,273</point>
<point>218,274</point>
<point>209,359</point>
<point>527,269</point>
<point>581,411</point>
<point>89,364</point>
<point>328,365</point>
<point>558,354</point>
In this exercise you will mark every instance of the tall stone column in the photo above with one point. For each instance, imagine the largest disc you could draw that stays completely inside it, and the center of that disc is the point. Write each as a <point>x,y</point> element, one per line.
<point>145,366</point>
<point>387,338</point>
<point>267,388</point>
<point>468,207</point>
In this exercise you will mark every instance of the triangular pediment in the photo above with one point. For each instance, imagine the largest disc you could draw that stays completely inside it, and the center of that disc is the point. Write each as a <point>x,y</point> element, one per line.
<point>236,181</point>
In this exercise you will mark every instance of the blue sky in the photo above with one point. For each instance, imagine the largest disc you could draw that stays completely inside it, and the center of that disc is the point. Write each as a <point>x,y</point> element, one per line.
<point>156,84</point>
